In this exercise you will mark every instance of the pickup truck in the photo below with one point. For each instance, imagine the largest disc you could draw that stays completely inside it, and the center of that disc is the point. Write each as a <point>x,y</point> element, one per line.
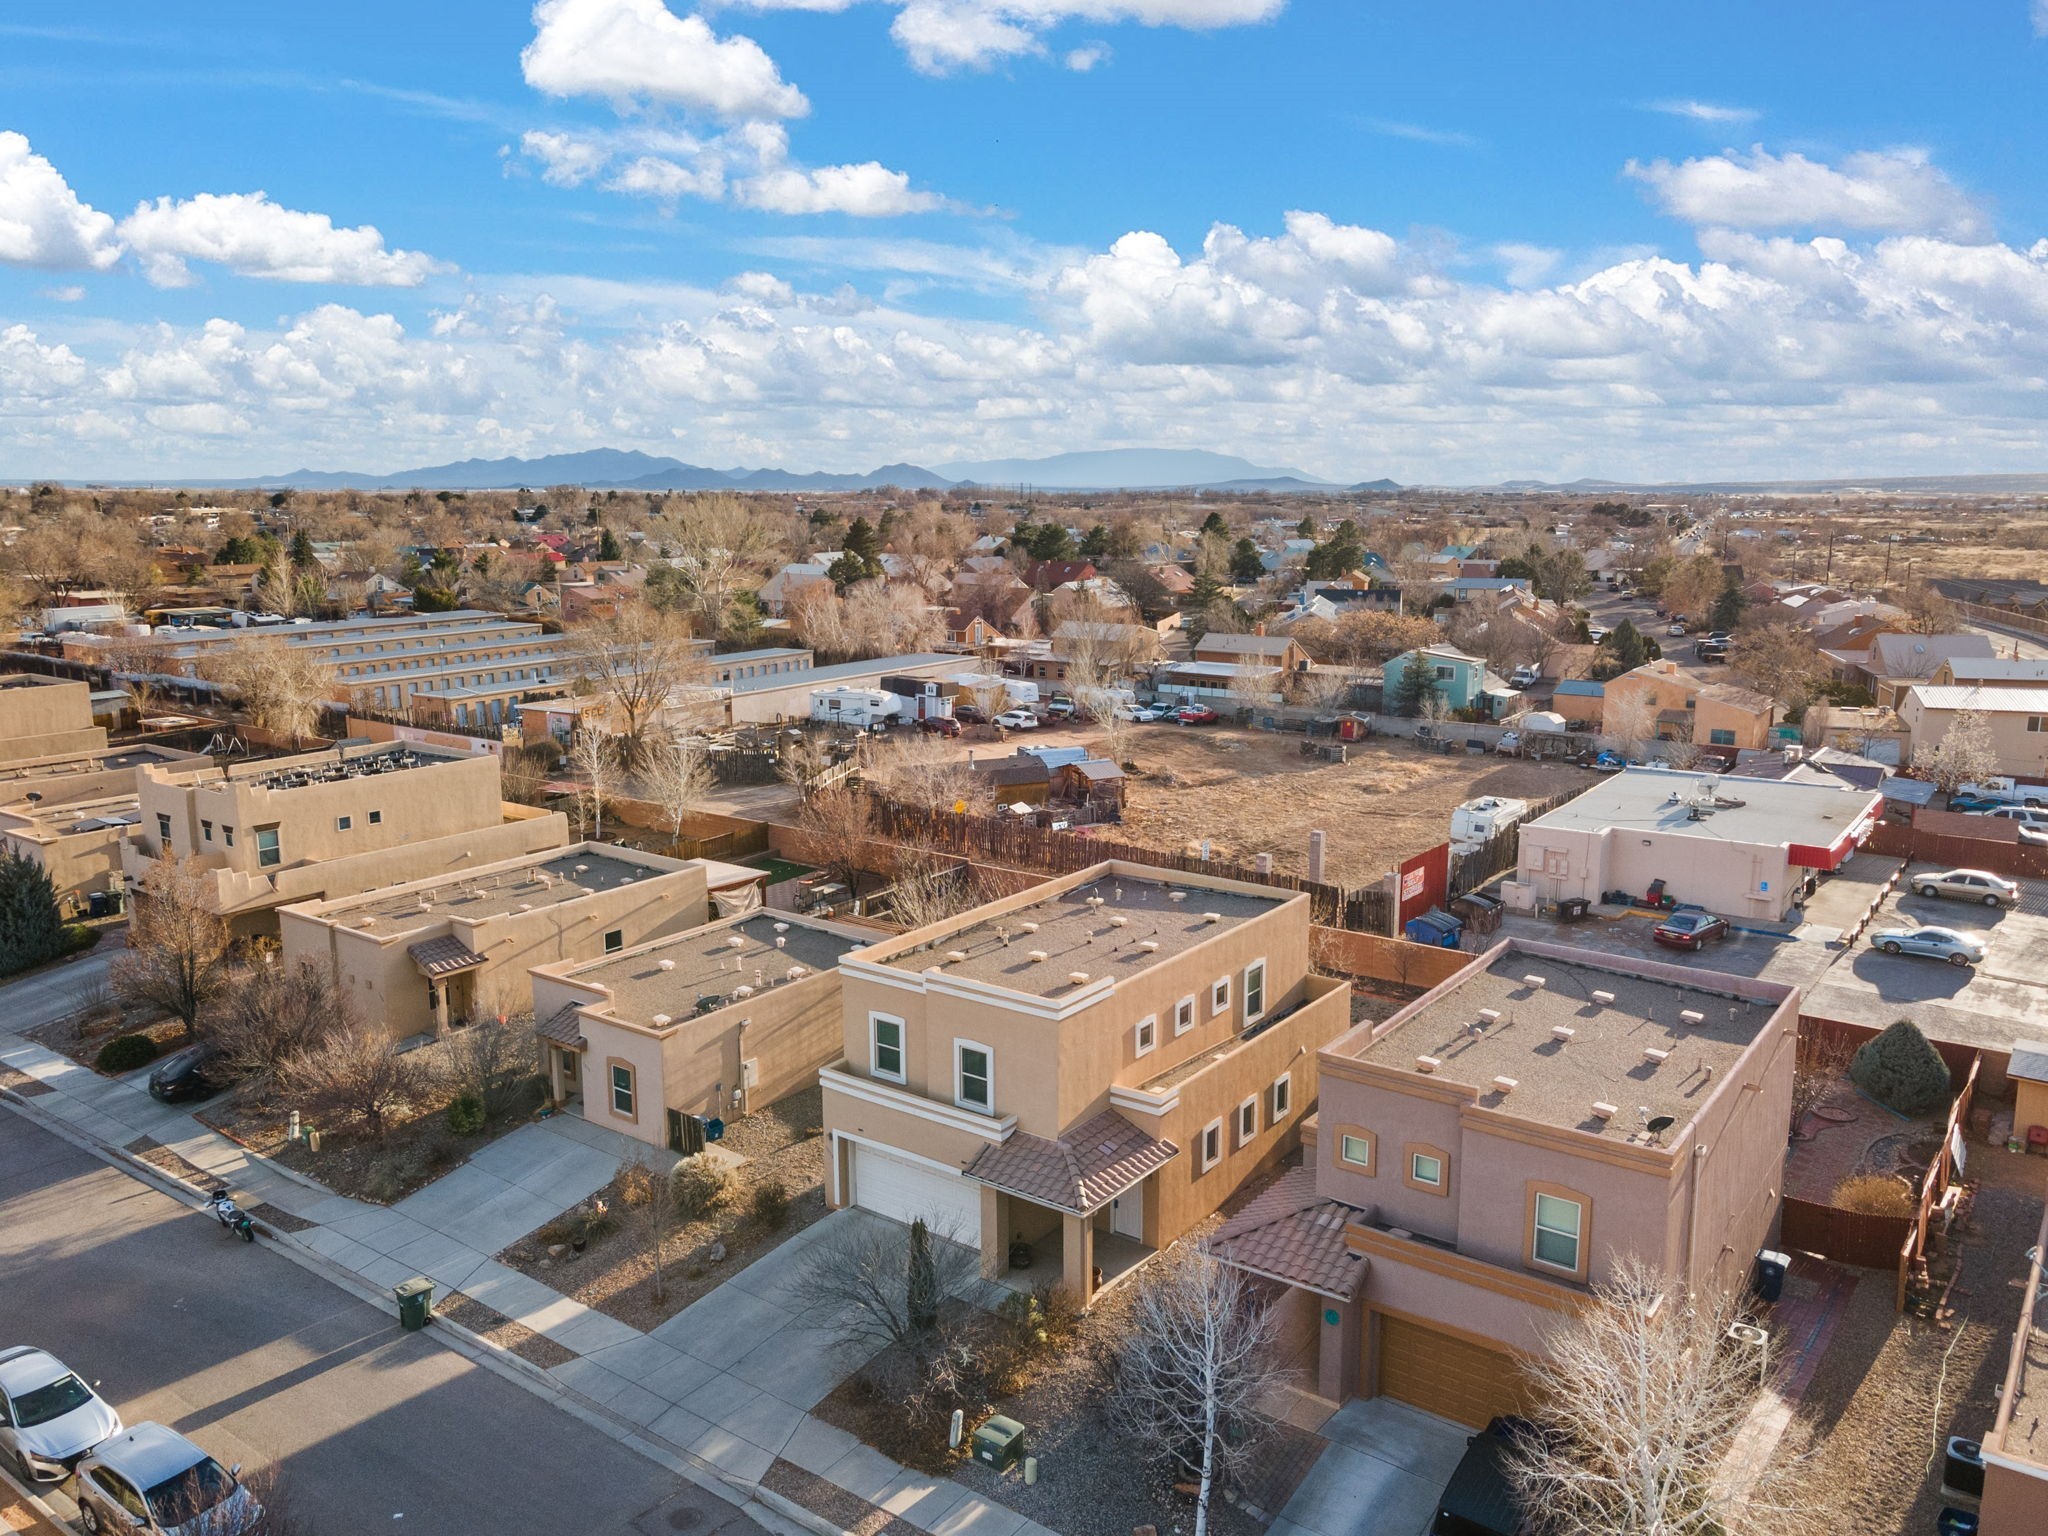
<point>2004,791</point>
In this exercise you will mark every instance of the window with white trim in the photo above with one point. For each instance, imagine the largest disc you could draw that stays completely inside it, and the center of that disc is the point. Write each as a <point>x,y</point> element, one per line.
<point>1280,1097</point>
<point>1146,1035</point>
<point>1219,995</point>
<point>1426,1168</point>
<point>1211,1147</point>
<point>885,1039</point>
<point>1558,1224</point>
<point>1254,992</point>
<point>1183,1015</point>
<point>343,823</point>
<point>974,1076</point>
<point>1247,1120</point>
<point>622,1090</point>
<point>1356,1150</point>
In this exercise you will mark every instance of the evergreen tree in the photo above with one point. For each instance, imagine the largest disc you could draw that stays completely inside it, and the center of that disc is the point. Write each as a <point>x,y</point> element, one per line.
<point>921,1298</point>
<point>1727,610</point>
<point>846,570</point>
<point>1412,687</point>
<point>866,545</point>
<point>31,929</point>
<point>1901,1070</point>
<point>1245,564</point>
<point>1306,528</point>
<point>1214,523</point>
<point>608,546</point>
<point>1095,544</point>
<point>302,550</point>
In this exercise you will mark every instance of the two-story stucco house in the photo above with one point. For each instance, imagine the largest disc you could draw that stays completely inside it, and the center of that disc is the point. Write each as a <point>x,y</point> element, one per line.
<point>1071,1078</point>
<point>1488,1154</point>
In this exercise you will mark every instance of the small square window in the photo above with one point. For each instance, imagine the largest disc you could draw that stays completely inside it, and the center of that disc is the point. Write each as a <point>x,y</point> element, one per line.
<point>376,818</point>
<point>1247,1121</point>
<point>1183,1015</point>
<point>1147,1034</point>
<point>1424,1168</point>
<point>343,823</point>
<point>1212,1144</point>
<point>1281,1096</point>
<point>615,941</point>
<point>1356,1150</point>
<point>1219,995</point>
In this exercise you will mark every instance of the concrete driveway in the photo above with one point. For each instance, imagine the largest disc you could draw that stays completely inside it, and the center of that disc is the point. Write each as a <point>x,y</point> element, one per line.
<point>1990,1005</point>
<point>516,1184</point>
<point>1385,1467</point>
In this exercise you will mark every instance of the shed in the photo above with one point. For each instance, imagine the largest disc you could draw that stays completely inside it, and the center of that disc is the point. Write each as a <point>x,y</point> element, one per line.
<point>1096,780</point>
<point>2029,1073</point>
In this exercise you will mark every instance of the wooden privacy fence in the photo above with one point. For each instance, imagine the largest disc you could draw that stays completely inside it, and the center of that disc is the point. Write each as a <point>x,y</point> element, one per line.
<point>1018,845</point>
<point>1846,1237</point>
<point>1934,1186</point>
<point>706,835</point>
<point>1935,840</point>
<point>1497,855</point>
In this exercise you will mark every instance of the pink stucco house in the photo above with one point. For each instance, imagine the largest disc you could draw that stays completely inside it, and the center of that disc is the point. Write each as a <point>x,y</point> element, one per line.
<point>1486,1155</point>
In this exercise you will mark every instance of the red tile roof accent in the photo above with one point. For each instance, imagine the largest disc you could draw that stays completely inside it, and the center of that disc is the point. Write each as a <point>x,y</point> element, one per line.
<point>1080,1172</point>
<point>1293,1234</point>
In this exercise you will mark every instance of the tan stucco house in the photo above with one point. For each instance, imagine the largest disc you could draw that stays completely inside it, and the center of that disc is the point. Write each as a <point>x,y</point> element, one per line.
<point>1668,704</point>
<point>421,956</point>
<point>718,1021</point>
<point>326,824</point>
<point>1071,1078</point>
<point>1488,1154</point>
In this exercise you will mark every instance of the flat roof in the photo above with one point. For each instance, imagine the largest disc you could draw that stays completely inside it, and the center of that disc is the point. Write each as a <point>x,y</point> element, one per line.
<point>1558,1082</point>
<point>812,677</point>
<point>1744,810</point>
<point>33,680</point>
<point>496,890</point>
<point>1096,928</point>
<point>327,768</point>
<point>705,963</point>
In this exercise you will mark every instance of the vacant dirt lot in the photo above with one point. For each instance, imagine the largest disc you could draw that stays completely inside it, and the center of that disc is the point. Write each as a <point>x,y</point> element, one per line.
<point>1252,792</point>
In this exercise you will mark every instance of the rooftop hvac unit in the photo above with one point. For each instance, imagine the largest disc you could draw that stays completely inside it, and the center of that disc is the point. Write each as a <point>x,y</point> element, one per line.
<point>1149,946</point>
<point>1036,957</point>
<point>782,927</point>
<point>1489,1016</point>
<point>1602,1110</point>
<point>737,941</point>
<point>1655,1057</point>
<point>1604,999</point>
<point>1562,1033</point>
<point>660,1019</point>
<point>526,906</point>
<point>1094,901</point>
<point>796,973</point>
<point>664,965</point>
<point>1534,983</point>
<point>1027,927</point>
<point>1212,917</point>
<point>1118,921</point>
<point>1505,1085</point>
<point>1427,1064</point>
<point>742,990</point>
<point>1176,896</point>
<point>1692,1016</point>
<point>955,956</point>
<point>1078,978</point>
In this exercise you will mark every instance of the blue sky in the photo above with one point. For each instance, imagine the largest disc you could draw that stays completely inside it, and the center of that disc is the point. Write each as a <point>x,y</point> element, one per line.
<point>1448,244</point>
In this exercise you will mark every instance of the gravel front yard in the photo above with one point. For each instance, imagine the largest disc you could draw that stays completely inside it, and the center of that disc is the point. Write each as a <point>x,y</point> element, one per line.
<point>1877,1415</point>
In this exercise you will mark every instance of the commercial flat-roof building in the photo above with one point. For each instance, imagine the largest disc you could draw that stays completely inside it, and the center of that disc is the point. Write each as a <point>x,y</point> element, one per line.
<point>1491,1152</point>
<point>1738,846</point>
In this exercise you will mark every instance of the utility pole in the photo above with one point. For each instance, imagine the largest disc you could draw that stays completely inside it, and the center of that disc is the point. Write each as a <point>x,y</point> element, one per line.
<point>1829,578</point>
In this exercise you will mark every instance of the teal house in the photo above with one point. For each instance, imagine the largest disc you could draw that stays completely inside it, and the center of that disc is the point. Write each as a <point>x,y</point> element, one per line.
<point>1462,680</point>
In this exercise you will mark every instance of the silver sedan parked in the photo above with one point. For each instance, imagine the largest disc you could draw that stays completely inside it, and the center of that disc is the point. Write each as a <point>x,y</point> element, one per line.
<point>1968,885</point>
<point>1934,943</point>
<point>49,1417</point>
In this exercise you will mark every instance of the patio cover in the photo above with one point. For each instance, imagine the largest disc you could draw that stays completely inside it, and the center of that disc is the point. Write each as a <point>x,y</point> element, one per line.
<point>445,956</point>
<point>1292,1234</point>
<point>1079,1172</point>
<point>563,1029</point>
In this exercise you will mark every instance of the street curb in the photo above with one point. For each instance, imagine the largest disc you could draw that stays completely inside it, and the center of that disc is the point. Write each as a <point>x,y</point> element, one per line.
<point>747,1497</point>
<point>35,1501</point>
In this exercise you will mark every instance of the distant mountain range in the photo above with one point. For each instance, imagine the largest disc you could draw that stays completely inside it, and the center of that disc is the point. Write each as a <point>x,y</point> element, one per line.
<point>1937,485</point>
<point>629,469</point>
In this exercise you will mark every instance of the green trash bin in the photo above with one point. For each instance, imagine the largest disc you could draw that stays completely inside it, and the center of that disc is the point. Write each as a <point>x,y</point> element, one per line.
<point>415,1302</point>
<point>999,1443</point>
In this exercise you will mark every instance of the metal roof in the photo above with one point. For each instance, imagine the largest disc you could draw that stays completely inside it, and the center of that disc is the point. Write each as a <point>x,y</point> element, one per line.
<point>1993,701</point>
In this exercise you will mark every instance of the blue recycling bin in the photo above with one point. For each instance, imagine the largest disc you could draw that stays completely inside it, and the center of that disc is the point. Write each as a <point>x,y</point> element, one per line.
<point>1435,927</point>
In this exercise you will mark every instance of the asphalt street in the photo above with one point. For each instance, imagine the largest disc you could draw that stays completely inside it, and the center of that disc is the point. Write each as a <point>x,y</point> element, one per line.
<point>262,1362</point>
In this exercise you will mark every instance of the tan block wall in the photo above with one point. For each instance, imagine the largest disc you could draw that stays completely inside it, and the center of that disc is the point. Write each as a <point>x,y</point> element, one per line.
<point>47,719</point>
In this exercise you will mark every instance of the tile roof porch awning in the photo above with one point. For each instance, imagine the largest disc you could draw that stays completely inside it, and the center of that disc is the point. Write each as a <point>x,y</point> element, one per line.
<point>1293,1235</point>
<point>442,957</point>
<point>1078,1173</point>
<point>564,1029</point>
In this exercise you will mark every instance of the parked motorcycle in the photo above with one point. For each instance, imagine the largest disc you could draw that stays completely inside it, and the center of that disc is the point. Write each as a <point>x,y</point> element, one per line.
<point>231,1216</point>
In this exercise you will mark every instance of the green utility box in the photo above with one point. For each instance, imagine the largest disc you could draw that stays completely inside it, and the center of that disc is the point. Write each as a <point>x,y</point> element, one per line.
<point>415,1302</point>
<point>999,1443</point>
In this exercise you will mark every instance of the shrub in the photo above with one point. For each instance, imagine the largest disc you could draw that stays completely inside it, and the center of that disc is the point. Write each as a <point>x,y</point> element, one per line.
<point>465,1114</point>
<point>1901,1070</point>
<point>699,1186</point>
<point>1874,1194</point>
<point>31,931</point>
<point>771,1203</point>
<point>124,1053</point>
<point>78,938</point>
<point>634,1185</point>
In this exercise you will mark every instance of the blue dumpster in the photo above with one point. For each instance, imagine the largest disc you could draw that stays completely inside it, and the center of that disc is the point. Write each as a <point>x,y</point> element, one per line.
<point>1435,927</point>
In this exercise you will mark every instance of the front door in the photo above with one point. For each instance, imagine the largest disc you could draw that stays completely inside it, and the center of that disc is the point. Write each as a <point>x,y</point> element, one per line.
<point>1127,1214</point>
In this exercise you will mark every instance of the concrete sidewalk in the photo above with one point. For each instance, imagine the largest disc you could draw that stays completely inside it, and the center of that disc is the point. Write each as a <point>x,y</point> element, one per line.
<point>727,1382</point>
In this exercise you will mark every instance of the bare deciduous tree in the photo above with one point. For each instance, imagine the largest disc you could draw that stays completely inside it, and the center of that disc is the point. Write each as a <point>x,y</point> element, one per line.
<point>276,1012</point>
<point>643,1188</point>
<point>1627,722</point>
<point>928,888</point>
<point>1197,1361</point>
<point>176,959</point>
<point>493,1056</point>
<point>1640,1397</point>
<point>354,1075</point>
<point>1775,659</point>
<point>678,777</point>
<point>282,687</point>
<point>1965,754</point>
<point>594,754</point>
<point>923,771</point>
<point>1820,1063</point>
<point>720,545</point>
<point>860,1278</point>
<point>837,829</point>
<point>633,660</point>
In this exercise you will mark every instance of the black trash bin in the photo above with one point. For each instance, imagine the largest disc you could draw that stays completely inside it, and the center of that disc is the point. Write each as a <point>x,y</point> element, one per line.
<point>1770,1274</point>
<point>1963,1471</point>
<point>415,1302</point>
<point>1573,909</point>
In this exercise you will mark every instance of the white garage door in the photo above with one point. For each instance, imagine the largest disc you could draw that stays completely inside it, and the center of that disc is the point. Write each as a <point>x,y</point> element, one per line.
<point>905,1191</point>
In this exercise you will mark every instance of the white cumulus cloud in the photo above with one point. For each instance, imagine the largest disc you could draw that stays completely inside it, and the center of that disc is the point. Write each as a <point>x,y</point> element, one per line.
<point>42,221</point>
<point>867,191</point>
<point>253,237</point>
<point>1890,191</point>
<point>943,35</point>
<point>566,159</point>
<point>639,51</point>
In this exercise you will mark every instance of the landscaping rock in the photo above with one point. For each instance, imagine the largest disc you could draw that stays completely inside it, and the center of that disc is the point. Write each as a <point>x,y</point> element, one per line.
<point>556,1250</point>
<point>715,1254</point>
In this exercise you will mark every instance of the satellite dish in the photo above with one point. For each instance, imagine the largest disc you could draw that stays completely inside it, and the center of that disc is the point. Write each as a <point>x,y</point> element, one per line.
<point>1657,1125</point>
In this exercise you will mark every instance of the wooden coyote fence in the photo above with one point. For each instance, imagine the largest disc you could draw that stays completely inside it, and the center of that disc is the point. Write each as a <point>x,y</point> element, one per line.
<point>1498,854</point>
<point>1934,1187</point>
<point>1018,845</point>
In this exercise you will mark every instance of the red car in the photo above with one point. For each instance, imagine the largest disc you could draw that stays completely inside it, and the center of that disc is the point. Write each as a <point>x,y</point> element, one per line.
<point>1690,930</point>
<point>1195,714</point>
<point>939,725</point>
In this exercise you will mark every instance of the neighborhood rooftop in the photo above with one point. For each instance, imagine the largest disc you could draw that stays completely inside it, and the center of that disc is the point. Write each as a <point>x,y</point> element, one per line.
<point>672,976</point>
<point>300,772</point>
<point>1558,1080</point>
<point>1742,810</point>
<point>528,885</point>
<point>1115,926</point>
